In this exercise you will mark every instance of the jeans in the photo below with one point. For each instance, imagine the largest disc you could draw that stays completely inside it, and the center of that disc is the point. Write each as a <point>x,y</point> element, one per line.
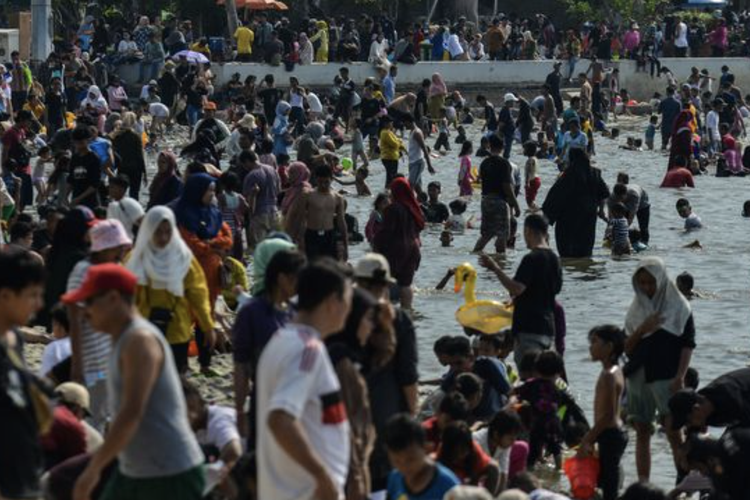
<point>612,443</point>
<point>507,146</point>
<point>572,67</point>
<point>644,215</point>
<point>193,114</point>
<point>149,70</point>
<point>596,99</point>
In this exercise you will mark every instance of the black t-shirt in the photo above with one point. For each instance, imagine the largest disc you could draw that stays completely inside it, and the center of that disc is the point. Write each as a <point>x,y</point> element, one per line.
<point>491,117</point>
<point>730,396</point>
<point>370,108</point>
<point>435,213</point>
<point>385,386</point>
<point>659,353</point>
<point>734,481</point>
<point>85,172</point>
<point>194,97</point>
<point>534,311</point>
<point>270,97</point>
<point>55,108</point>
<point>495,172</point>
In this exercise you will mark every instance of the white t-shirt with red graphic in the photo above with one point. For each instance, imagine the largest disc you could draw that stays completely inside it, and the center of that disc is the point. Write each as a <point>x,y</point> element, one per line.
<point>295,375</point>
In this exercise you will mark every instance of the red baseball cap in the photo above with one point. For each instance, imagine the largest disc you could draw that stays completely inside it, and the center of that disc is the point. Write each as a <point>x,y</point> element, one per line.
<point>102,278</point>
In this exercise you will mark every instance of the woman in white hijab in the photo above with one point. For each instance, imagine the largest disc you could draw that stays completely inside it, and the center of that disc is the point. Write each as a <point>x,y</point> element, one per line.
<point>95,106</point>
<point>660,343</point>
<point>172,288</point>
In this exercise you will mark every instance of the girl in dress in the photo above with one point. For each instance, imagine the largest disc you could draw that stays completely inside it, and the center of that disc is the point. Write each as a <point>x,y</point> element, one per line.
<point>465,176</point>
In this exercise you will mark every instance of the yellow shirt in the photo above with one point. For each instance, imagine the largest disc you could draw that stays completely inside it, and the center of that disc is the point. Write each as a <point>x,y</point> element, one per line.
<point>37,110</point>
<point>203,50</point>
<point>390,145</point>
<point>245,38</point>
<point>237,275</point>
<point>192,306</point>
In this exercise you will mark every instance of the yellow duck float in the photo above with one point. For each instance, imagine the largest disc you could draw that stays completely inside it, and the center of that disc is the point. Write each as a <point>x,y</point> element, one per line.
<point>486,316</point>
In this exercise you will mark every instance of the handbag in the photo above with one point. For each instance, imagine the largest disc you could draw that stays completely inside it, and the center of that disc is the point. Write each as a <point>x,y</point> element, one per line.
<point>160,317</point>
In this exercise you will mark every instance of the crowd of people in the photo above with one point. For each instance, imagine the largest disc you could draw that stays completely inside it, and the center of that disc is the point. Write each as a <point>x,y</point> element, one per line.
<point>131,269</point>
<point>375,39</point>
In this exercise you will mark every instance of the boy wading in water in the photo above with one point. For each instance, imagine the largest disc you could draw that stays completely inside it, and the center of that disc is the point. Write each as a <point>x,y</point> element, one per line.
<point>606,345</point>
<point>324,210</point>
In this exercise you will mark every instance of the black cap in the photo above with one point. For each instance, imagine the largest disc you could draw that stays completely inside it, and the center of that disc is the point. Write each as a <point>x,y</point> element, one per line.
<point>680,405</point>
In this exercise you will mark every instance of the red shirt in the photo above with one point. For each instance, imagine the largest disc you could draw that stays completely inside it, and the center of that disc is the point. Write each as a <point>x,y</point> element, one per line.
<point>728,142</point>
<point>432,433</point>
<point>66,438</point>
<point>14,137</point>
<point>480,463</point>
<point>677,178</point>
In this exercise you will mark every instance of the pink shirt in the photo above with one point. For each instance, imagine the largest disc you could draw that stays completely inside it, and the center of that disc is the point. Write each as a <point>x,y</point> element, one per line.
<point>631,40</point>
<point>719,37</point>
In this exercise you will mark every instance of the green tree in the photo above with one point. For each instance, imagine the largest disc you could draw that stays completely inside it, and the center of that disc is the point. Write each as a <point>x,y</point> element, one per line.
<point>604,10</point>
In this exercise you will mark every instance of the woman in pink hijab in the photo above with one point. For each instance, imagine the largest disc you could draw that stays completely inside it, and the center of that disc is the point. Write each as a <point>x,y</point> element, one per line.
<point>436,95</point>
<point>299,175</point>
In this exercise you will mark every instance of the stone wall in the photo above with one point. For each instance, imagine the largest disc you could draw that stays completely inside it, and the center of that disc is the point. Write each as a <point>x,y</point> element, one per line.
<point>476,76</point>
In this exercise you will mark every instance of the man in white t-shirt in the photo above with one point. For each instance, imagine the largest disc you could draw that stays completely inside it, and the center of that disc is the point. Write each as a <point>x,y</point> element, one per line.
<point>498,439</point>
<point>681,39</point>
<point>303,434</point>
<point>316,107</point>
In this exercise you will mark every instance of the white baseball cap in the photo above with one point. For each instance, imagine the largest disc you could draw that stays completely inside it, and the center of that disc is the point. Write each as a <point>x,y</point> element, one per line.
<point>509,97</point>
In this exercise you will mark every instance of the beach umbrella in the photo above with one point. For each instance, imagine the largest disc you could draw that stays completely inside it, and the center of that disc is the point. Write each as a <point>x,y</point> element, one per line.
<point>192,56</point>
<point>259,4</point>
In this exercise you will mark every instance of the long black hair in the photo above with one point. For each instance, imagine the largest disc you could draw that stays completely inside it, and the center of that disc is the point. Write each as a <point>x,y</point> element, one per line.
<point>346,343</point>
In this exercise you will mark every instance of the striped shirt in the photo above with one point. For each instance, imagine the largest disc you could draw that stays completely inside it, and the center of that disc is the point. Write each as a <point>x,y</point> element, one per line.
<point>95,346</point>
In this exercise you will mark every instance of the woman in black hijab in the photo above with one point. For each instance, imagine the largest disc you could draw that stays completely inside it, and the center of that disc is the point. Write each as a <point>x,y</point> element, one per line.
<point>572,206</point>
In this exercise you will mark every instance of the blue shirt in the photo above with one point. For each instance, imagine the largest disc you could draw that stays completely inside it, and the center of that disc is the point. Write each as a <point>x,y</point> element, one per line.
<point>443,481</point>
<point>651,131</point>
<point>101,147</point>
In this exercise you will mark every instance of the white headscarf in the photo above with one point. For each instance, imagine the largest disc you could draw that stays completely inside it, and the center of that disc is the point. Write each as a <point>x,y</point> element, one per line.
<point>97,100</point>
<point>667,301</point>
<point>160,268</point>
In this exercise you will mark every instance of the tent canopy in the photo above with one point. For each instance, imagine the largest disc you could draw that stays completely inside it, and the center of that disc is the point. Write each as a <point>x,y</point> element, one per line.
<point>702,4</point>
<point>258,4</point>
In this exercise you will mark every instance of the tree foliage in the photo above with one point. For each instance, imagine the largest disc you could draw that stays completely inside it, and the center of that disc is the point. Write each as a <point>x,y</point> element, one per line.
<point>605,10</point>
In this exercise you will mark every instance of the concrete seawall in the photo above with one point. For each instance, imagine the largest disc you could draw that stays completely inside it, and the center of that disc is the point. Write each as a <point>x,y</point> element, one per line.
<point>515,75</point>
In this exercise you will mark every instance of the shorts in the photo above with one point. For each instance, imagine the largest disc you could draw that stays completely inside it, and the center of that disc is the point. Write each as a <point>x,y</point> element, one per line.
<point>530,343</point>
<point>416,170</point>
<point>320,244</point>
<point>495,217</point>
<point>646,398</point>
<point>187,485</point>
<point>259,227</point>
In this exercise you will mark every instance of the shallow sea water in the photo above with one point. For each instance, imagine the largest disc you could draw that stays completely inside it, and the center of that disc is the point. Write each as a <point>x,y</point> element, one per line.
<point>599,290</point>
